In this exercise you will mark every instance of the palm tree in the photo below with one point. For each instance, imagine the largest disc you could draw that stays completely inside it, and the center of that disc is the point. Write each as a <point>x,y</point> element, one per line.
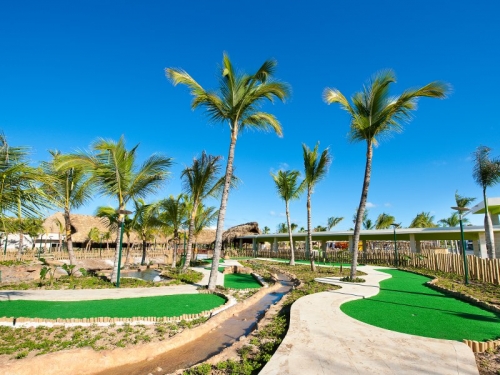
<point>320,228</point>
<point>92,236</point>
<point>115,173</point>
<point>374,114</point>
<point>145,222</point>
<point>266,230</point>
<point>173,214</point>
<point>282,228</point>
<point>333,221</point>
<point>384,221</point>
<point>423,220</point>
<point>315,169</point>
<point>200,181</point>
<point>288,188</point>
<point>69,188</point>
<point>237,102</point>
<point>486,173</point>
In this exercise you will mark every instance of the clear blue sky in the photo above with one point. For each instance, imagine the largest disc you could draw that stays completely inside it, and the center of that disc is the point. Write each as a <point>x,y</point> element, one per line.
<point>72,71</point>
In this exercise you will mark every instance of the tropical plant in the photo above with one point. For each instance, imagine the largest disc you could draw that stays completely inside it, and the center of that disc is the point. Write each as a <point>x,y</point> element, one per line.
<point>114,172</point>
<point>266,230</point>
<point>112,222</point>
<point>145,222</point>
<point>315,169</point>
<point>92,237</point>
<point>237,102</point>
<point>34,228</point>
<point>486,173</point>
<point>374,114</point>
<point>281,228</point>
<point>173,215</point>
<point>200,181</point>
<point>384,221</point>
<point>68,189</point>
<point>333,221</point>
<point>289,188</point>
<point>320,228</point>
<point>423,220</point>
<point>205,217</point>
<point>462,201</point>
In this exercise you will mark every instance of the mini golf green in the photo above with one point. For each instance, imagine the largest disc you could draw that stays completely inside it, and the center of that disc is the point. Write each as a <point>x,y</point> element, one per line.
<point>405,304</point>
<point>168,306</point>
<point>240,281</point>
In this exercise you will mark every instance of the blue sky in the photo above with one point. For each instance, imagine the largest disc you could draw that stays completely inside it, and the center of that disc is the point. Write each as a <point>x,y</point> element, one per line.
<point>74,71</point>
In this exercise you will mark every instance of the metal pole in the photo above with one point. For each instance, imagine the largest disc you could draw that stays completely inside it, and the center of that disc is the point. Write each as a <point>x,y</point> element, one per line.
<point>466,267</point>
<point>122,225</point>
<point>6,240</point>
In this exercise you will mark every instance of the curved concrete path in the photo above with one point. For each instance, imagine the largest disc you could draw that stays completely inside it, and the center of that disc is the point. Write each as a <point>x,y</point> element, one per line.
<point>323,340</point>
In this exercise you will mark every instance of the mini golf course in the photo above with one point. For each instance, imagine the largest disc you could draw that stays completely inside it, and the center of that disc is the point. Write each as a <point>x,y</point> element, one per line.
<point>240,281</point>
<point>161,306</point>
<point>405,304</point>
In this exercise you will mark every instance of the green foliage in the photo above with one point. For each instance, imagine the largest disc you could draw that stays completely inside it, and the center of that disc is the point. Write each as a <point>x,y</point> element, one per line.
<point>186,276</point>
<point>348,279</point>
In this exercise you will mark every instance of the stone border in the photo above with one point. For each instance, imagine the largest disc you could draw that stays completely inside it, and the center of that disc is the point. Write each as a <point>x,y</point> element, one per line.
<point>63,362</point>
<point>105,321</point>
<point>476,346</point>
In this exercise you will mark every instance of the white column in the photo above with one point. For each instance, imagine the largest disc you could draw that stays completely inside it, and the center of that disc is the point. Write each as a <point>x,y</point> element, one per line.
<point>275,245</point>
<point>480,247</point>
<point>497,244</point>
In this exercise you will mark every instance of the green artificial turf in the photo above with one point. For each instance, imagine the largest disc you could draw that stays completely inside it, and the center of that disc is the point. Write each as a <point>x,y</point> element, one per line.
<point>406,305</point>
<point>174,305</point>
<point>240,281</point>
<point>210,260</point>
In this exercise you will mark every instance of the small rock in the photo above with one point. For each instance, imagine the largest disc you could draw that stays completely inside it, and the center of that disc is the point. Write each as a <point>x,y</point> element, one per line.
<point>159,369</point>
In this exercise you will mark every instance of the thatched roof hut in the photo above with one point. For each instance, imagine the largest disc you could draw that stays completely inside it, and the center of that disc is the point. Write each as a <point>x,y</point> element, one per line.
<point>230,236</point>
<point>206,237</point>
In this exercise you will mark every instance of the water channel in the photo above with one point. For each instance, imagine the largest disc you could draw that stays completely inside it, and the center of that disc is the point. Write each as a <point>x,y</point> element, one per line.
<point>209,344</point>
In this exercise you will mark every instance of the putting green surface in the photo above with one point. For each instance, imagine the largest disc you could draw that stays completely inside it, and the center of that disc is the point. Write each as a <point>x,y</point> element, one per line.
<point>240,281</point>
<point>405,304</point>
<point>173,305</point>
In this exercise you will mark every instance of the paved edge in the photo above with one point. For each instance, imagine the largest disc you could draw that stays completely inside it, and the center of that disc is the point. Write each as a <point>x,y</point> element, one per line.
<point>322,340</point>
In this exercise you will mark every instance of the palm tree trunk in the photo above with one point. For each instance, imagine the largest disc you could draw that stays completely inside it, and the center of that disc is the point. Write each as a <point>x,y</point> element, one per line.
<point>488,228</point>
<point>127,257</point>
<point>292,253</point>
<point>174,255</point>
<point>361,208</point>
<point>187,261</point>
<point>222,211</point>
<point>144,244</point>
<point>309,234</point>
<point>114,272</point>
<point>69,239</point>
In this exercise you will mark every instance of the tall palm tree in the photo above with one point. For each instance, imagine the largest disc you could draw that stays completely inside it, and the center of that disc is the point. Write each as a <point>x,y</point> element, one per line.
<point>92,236</point>
<point>423,220</point>
<point>315,169</point>
<point>282,228</point>
<point>68,188</point>
<point>115,173</point>
<point>486,173</point>
<point>174,214</point>
<point>463,201</point>
<point>333,221</point>
<point>237,102</point>
<point>384,221</point>
<point>374,114</point>
<point>145,222</point>
<point>266,230</point>
<point>200,181</point>
<point>289,188</point>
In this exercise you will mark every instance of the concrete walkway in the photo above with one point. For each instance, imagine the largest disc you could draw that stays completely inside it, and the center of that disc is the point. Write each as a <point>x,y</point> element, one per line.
<point>323,340</point>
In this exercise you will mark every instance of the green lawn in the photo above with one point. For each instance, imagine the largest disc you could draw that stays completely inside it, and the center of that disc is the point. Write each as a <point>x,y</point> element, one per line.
<point>240,281</point>
<point>169,306</point>
<point>406,305</point>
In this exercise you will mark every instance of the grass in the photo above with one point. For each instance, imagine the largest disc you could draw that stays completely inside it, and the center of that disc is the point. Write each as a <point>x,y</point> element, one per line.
<point>168,306</point>
<point>240,281</point>
<point>406,305</point>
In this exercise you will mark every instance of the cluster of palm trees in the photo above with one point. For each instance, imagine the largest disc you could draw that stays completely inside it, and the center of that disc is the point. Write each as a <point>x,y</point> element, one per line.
<point>68,181</point>
<point>111,170</point>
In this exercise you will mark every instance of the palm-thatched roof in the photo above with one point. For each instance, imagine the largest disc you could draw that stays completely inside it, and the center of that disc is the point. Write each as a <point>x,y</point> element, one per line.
<point>231,234</point>
<point>207,236</point>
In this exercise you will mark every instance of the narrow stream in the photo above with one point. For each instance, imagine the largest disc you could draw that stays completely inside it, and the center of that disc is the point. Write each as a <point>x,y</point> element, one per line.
<point>209,344</point>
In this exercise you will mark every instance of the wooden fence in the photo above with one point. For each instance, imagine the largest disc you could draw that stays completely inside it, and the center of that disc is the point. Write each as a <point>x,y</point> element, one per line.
<point>486,270</point>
